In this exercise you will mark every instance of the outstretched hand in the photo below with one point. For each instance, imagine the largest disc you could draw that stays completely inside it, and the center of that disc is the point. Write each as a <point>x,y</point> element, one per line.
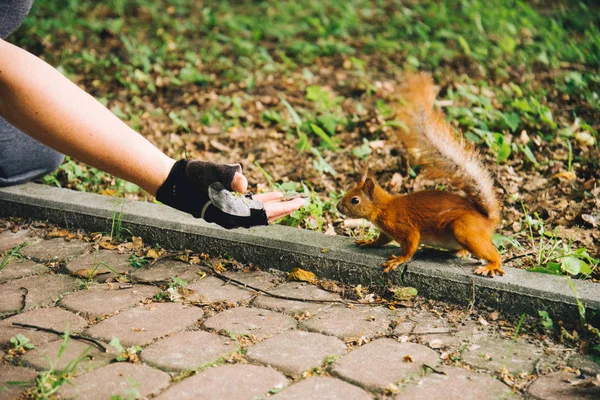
<point>204,189</point>
<point>275,207</point>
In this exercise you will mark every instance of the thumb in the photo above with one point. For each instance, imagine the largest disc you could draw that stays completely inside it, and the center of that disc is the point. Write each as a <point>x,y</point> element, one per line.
<point>239,183</point>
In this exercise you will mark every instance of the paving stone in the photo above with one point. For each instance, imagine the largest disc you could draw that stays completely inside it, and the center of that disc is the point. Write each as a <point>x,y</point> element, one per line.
<point>215,289</point>
<point>53,318</point>
<point>322,388</point>
<point>20,268</point>
<point>296,289</point>
<point>382,362</point>
<point>98,301</point>
<point>164,271</point>
<point>557,386</point>
<point>41,290</point>
<point>238,381</point>
<point>142,324</point>
<point>8,239</point>
<point>9,373</point>
<point>250,321</point>
<point>258,279</point>
<point>460,334</point>
<point>349,323</point>
<point>294,352</point>
<point>188,350</point>
<point>54,249</point>
<point>41,357</point>
<point>11,300</point>
<point>584,364</point>
<point>120,379</point>
<point>104,262</point>
<point>456,384</point>
<point>427,323</point>
<point>491,354</point>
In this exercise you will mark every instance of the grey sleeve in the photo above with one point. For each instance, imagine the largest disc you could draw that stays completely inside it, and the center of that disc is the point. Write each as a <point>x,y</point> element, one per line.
<point>12,15</point>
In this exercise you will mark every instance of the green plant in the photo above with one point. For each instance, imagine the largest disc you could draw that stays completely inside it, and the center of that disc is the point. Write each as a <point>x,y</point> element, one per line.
<point>545,320</point>
<point>130,354</point>
<point>21,343</point>
<point>174,283</point>
<point>177,282</point>
<point>554,256</point>
<point>513,342</point>
<point>49,381</point>
<point>590,334</point>
<point>138,262</point>
<point>12,253</point>
<point>117,219</point>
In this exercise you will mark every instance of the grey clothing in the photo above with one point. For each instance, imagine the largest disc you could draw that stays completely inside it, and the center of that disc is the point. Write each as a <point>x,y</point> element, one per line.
<point>12,15</point>
<point>22,158</point>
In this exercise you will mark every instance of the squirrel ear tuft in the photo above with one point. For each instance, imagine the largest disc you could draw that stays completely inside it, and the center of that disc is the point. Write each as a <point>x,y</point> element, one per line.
<point>369,187</point>
<point>365,173</point>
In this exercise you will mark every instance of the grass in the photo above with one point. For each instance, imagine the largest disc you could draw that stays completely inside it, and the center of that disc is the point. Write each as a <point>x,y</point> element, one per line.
<point>552,255</point>
<point>297,92</point>
<point>10,254</point>
<point>49,381</point>
<point>513,342</point>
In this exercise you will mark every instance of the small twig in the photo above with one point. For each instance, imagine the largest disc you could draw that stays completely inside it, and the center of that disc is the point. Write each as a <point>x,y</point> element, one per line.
<point>519,256</point>
<point>450,330</point>
<point>434,370</point>
<point>72,335</point>
<point>278,296</point>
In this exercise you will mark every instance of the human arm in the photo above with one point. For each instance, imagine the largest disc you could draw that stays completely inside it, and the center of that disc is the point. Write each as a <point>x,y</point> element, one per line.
<point>41,102</point>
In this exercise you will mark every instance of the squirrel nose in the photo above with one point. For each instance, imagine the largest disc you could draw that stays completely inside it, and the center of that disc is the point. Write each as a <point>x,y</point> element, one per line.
<point>339,207</point>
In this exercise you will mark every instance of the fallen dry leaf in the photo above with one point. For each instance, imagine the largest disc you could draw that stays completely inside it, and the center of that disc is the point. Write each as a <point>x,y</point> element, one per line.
<point>107,245</point>
<point>330,286</point>
<point>136,243</point>
<point>298,274</point>
<point>408,358</point>
<point>185,295</point>
<point>152,253</point>
<point>193,260</point>
<point>55,233</point>
<point>108,192</point>
<point>568,175</point>
<point>88,273</point>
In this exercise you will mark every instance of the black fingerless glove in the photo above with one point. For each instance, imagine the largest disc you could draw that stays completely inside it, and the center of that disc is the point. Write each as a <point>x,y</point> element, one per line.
<point>202,188</point>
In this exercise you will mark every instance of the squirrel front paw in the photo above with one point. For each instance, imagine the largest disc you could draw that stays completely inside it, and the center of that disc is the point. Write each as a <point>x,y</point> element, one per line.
<point>393,263</point>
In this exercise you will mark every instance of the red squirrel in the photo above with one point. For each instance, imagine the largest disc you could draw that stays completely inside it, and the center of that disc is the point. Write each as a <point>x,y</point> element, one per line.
<point>432,217</point>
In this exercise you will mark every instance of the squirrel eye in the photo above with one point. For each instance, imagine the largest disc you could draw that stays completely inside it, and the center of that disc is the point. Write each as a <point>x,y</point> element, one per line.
<point>355,200</point>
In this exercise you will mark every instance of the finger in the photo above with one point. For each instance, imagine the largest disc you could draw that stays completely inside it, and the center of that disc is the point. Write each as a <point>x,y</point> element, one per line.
<point>281,209</point>
<point>266,197</point>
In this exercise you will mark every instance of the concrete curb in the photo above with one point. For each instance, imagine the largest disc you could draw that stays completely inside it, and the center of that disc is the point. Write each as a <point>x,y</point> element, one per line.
<point>434,274</point>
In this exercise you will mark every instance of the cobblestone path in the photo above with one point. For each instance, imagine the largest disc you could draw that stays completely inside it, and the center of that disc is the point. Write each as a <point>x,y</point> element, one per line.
<point>185,334</point>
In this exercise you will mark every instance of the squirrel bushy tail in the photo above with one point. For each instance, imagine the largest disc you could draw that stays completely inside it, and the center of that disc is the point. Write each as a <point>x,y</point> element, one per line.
<point>432,143</point>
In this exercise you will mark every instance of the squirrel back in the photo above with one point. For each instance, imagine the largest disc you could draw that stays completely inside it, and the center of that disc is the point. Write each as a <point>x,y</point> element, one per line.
<point>443,155</point>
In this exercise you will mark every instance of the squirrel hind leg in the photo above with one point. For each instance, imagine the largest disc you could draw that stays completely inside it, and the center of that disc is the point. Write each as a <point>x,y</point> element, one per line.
<point>475,237</point>
<point>489,269</point>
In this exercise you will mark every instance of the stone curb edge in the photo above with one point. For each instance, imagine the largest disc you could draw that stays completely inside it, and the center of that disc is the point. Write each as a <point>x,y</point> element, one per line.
<point>434,274</point>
